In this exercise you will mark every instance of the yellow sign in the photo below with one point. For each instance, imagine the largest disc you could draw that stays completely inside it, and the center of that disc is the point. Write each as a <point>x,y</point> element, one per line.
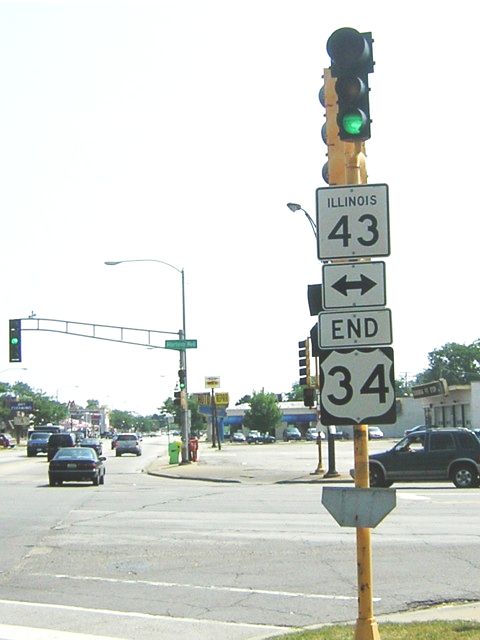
<point>203,399</point>
<point>212,382</point>
<point>222,398</point>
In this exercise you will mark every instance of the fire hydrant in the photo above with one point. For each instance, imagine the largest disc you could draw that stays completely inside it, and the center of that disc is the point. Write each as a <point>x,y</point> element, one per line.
<point>193,449</point>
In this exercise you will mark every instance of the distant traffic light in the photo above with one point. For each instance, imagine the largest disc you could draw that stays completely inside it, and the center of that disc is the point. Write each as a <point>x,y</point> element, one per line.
<point>15,340</point>
<point>182,377</point>
<point>304,362</point>
<point>309,397</point>
<point>351,61</point>
<point>177,398</point>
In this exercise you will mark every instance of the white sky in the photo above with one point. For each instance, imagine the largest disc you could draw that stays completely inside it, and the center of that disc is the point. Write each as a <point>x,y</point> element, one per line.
<point>178,131</point>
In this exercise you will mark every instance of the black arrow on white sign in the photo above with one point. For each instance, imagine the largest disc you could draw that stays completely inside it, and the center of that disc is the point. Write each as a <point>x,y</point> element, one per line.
<point>364,284</point>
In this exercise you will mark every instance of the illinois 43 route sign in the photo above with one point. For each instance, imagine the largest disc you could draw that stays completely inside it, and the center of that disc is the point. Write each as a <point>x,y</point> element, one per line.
<point>357,386</point>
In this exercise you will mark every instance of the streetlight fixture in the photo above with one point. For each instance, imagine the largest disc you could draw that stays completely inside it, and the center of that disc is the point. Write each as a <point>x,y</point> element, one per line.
<point>183,355</point>
<point>293,206</point>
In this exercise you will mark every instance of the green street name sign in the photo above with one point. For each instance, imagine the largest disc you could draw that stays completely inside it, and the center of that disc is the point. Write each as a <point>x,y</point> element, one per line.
<point>180,344</point>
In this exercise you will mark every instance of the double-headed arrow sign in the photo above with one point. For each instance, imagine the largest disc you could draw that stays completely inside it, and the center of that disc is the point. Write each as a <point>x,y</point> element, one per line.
<point>358,284</point>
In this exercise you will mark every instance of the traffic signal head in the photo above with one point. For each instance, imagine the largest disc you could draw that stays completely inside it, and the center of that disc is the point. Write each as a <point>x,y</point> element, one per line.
<point>182,377</point>
<point>351,61</point>
<point>309,397</point>
<point>304,362</point>
<point>15,340</point>
<point>177,398</point>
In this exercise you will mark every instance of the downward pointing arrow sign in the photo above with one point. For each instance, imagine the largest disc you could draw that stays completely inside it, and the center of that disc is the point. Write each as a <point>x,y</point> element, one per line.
<point>343,286</point>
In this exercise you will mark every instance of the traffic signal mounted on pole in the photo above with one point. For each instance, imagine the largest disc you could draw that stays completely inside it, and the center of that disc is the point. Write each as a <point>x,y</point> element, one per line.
<point>309,394</point>
<point>182,377</point>
<point>177,398</point>
<point>351,61</point>
<point>304,362</point>
<point>15,340</point>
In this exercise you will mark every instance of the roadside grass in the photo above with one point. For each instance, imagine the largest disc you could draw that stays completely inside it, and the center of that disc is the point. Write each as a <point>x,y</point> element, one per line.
<point>451,630</point>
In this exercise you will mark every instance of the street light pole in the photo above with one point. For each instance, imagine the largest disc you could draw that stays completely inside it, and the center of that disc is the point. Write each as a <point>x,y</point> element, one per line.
<point>183,356</point>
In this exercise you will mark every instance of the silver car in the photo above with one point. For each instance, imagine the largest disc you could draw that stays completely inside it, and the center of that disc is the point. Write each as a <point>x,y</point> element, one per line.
<point>127,443</point>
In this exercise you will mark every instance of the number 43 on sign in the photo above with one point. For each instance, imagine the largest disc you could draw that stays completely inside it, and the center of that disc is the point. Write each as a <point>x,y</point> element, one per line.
<point>357,386</point>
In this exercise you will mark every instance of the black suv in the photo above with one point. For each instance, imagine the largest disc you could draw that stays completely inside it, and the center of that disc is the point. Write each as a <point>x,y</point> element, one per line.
<point>430,454</point>
<point>59,441</point>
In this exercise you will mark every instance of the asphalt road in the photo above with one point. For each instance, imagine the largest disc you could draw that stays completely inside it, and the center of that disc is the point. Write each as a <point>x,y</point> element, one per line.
<point>149,557</point>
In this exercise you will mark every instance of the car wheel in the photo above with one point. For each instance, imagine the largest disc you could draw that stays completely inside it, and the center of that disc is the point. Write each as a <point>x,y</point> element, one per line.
<point>102,479</point>
<point>51,482</point>
<point>464,476</point>
<point>377,477</point>
<point>118,454</point>
<point>96,481</point>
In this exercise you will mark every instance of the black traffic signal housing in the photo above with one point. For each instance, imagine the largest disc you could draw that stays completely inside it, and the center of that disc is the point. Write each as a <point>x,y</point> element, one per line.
<point>309,394</point>
<point>351,61</point>
<point>177,398</point>
<point>304,363</point>
<point>15,340</point>
<point>182,377</point>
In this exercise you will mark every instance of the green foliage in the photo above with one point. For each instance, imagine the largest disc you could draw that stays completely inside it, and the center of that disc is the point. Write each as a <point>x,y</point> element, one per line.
<point>244,400</point>
<point>264,413</point>
<point>296,393</point>
<point>457,363</point>
<point>45,408</point>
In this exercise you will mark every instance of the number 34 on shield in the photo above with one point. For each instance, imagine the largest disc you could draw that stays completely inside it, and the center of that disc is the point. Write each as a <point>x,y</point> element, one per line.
<point>357,386</point>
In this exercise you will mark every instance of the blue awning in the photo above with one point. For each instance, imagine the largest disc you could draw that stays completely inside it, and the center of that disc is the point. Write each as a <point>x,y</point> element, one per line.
<point>298,418</point>
<point>233,420</point>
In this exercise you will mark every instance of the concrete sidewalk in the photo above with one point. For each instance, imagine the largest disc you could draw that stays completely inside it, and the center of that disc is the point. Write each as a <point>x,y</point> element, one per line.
<point>241,464</point>
<point>253,464</point>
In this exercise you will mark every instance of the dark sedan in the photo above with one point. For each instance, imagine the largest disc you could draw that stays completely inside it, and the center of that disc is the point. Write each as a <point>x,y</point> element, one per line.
<point>76,464</point>
<point>93,443</point>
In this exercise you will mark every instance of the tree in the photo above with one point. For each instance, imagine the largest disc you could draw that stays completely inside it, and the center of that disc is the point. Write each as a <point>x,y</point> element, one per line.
<point>264,413</point>
<point>457,363</point>
<point>244,400</point>
<point>296,393</point>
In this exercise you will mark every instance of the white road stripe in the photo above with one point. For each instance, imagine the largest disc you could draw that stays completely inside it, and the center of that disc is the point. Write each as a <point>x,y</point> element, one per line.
<point>152,583</point>
<point>137,614</point>
<point>15,632</point>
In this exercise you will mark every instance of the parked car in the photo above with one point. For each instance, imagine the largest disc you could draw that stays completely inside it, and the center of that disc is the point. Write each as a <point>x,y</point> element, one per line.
<point>312,434</point>
<point>76,464</point>
<point>375,433</point>
<point>58,441</point>
<point>7,441</point>
<point>254,437</point>
<point>291,433</point>
<point>434,454</point>
<point>37,443</point>
<point>93,443</point>
<point>267,438</point>
<point>238,436</point>
<point>420,427</point>
<point>127,443</point>
<point>336,434</point>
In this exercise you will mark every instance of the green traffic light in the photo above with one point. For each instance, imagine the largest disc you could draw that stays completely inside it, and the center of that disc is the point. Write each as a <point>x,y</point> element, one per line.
<point>14,341</point>
<point>353,123</point>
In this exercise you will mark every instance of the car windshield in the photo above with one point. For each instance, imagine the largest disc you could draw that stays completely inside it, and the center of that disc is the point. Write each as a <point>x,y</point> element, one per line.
<point>89,441</point>
<point>75,453</point>
<point>40,436</point>
<point>127,436</point>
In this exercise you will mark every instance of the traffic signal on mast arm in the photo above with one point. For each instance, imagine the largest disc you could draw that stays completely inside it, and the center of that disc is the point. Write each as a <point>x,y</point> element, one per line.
<point>15,340</point>
<point>304,362</point>
<point>309,394</point>
<point>351,61</point>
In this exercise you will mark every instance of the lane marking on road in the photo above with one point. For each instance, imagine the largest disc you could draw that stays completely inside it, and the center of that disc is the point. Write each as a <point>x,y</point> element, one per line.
<point>16,632</point>
<point>139,614</point>
<point>154,583</point>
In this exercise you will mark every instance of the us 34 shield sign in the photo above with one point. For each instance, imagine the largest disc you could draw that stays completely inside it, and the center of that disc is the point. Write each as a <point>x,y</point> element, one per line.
<point>357,386</point>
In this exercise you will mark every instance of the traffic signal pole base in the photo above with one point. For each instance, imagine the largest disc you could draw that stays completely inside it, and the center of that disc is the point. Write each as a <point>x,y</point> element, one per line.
<point>366,629</point>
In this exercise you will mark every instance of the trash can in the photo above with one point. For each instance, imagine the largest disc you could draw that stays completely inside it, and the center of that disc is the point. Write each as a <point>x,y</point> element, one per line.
<point>174,451</point>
